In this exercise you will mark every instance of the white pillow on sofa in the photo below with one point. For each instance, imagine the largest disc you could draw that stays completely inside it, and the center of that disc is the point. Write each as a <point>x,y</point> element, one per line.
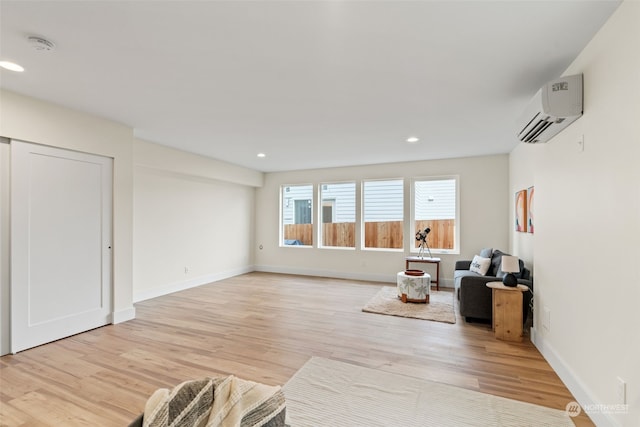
<point>480,265</point>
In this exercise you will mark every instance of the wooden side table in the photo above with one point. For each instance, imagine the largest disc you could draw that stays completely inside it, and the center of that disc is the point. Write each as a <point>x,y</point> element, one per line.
<point>507,311</point>
<point>435,261</point>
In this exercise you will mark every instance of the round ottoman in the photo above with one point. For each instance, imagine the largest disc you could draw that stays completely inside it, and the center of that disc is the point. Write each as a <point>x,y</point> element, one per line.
<point>412,288</point>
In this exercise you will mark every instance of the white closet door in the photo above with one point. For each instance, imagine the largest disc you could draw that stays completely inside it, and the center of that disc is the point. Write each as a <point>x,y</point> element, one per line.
<point>61,219</point>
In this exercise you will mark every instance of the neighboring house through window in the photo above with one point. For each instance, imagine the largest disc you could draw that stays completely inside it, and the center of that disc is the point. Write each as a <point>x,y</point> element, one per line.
<point>383,214</point>
<point>296,214</point>
<point>338,215</point>
<point>435,205</point>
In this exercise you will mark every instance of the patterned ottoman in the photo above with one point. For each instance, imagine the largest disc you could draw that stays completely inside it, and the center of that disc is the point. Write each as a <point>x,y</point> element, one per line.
<point>414,288</point>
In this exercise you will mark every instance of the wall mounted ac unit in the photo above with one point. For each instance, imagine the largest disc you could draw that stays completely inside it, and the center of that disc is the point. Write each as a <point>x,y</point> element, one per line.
<point>556,105</point>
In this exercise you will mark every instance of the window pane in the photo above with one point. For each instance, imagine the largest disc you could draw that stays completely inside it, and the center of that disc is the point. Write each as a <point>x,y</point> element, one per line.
<point>338,214</point>
<point>383,214</point>
<point>297,218</point>
<point>435,208</point>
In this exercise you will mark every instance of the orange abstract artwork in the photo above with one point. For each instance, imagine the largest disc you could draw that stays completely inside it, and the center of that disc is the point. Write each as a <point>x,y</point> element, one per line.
<point>521,211</point>
<point>530,209</point>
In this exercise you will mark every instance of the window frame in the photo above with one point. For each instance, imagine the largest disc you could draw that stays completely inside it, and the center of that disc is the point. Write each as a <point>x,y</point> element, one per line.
<point>412,222</point>
<point>363,222</point>
<point>281,234</point>
<point>321,222</point>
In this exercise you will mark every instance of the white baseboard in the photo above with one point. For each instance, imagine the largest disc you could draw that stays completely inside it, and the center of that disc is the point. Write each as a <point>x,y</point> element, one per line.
<point>446,283</point>
<point>582,394</point>
<point>325,273</point>
<point>123,315</point>
<point>192,283</point>
<point>203,280</point>
<point>387,278</point>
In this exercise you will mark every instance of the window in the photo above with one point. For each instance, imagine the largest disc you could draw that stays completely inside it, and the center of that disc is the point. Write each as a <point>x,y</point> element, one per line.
<point>297,220</point>
<point>338,215</point>
<point>435,206</point>
<point>383,214</point>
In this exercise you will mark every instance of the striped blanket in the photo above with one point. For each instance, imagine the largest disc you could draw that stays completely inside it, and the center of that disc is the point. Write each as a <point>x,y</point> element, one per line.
<point>212,402</point>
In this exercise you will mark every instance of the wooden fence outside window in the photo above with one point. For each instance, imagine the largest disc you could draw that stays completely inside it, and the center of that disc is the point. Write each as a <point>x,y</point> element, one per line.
<point>385,234</point>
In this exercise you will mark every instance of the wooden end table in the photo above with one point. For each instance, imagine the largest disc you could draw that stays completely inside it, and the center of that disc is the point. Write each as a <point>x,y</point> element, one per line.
<point>435,261</point>
<point>507,311</point>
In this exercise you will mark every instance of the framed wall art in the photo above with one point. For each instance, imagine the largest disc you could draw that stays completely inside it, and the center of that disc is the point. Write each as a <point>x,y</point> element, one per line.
<point>530,209</point>
<point>521,211</point>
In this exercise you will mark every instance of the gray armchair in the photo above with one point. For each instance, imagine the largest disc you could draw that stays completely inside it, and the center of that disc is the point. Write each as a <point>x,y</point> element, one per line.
<point>475,297</point>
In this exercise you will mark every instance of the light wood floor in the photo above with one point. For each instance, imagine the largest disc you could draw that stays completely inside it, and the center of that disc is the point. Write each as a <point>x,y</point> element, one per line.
<point>261,327</point>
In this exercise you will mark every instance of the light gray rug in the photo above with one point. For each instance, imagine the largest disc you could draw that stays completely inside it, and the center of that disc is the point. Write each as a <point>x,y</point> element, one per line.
<point>440,306</point>
<point>329,393</point>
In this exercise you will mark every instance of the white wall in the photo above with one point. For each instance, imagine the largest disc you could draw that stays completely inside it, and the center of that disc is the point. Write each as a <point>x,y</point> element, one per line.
<point>588,227</point>
<point>484,186</point>
<point>190,210</point>
<point>186,216</point>
<point>5,164</point>
<point>32,120</point>
<point>181,162</point>
<point>521,177</point>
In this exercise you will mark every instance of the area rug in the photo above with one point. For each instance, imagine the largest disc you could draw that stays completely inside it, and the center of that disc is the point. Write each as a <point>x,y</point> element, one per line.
<point>439,309</point>
<point>330,393</point>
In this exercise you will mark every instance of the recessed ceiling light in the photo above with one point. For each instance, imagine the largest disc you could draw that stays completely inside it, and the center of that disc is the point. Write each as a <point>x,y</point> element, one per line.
<point>11,66</point>
<point>412,140</point>
<point>262,155</point>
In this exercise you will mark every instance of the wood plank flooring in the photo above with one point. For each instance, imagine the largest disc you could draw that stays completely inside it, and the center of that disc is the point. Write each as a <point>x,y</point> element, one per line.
<point>261,327</point>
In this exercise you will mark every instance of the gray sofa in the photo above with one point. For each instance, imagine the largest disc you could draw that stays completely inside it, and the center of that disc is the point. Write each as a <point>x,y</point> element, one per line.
<point>475,297</point>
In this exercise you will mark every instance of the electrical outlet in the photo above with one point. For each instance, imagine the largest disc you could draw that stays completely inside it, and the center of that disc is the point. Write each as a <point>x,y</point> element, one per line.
<point>546,318</point>
<point>186,270</point>
<point>621,391</point>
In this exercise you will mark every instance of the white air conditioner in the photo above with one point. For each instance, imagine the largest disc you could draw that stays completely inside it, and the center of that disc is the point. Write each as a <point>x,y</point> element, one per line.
<point>556,105</point>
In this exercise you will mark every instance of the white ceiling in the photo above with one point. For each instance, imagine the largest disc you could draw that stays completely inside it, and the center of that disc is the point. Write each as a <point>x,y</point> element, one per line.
<point>310,83</point>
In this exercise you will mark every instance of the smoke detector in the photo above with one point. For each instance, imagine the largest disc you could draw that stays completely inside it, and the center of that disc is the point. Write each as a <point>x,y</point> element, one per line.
<point>40,44</point>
